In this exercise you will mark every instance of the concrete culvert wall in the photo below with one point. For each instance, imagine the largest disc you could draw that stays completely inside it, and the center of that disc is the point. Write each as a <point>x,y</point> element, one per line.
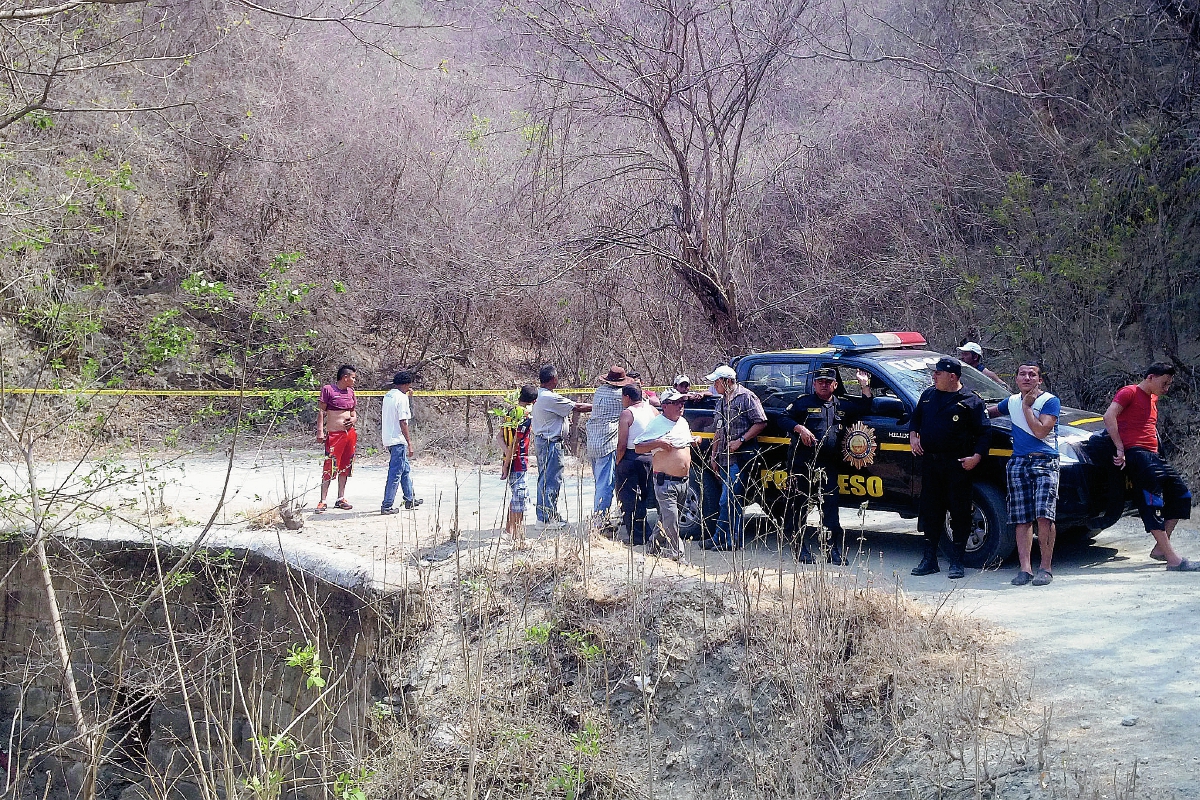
<point>257,676</point>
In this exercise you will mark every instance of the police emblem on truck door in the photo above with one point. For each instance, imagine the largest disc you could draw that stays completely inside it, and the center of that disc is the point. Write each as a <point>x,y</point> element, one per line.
<point>859,446</point>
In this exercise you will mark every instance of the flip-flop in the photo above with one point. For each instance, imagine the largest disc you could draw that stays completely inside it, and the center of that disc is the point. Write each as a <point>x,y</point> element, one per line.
<point>1185,566</point>
<point>1043,577</point>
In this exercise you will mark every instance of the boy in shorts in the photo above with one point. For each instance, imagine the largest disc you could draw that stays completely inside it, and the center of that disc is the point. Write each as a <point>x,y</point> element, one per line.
<point>514,438</point>
<point>1033,470</point>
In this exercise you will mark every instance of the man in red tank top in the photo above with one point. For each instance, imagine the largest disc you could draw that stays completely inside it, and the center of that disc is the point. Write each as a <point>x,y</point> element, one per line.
<point>1162,497</point>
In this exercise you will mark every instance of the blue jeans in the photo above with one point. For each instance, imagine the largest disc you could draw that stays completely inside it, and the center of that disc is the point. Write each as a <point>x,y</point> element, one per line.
<point>602,470</point>
<point>399,474</point>
<point>550,477</point>
<point>729,523</point>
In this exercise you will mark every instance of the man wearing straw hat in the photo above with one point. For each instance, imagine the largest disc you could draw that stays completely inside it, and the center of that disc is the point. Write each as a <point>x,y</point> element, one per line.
<point>602,436</point>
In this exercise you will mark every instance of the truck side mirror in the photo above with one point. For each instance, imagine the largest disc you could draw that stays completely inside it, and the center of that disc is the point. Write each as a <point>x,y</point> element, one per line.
<point>890,407</point>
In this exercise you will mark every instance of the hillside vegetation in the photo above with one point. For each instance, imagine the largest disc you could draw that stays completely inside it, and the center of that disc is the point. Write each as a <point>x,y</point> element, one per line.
<point>221,193</point>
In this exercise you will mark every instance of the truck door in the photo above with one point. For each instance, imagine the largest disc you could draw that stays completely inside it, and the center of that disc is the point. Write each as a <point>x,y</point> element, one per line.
<point>777,384</point>
<point>877,458</point>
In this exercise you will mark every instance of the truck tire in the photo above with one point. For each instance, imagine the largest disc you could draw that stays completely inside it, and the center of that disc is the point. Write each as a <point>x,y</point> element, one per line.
<point>992,539</point>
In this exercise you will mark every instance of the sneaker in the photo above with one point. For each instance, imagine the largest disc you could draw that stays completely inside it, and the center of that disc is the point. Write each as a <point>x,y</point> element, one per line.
<point>1022,578</point>
<point>928,566</point>
<point>956,571</point>
<point>710,544</point>
<point>321,508</point>
<point>1043,577</point>
<point>411,504</point>
<point>389,510</point>
<point>343,505</point>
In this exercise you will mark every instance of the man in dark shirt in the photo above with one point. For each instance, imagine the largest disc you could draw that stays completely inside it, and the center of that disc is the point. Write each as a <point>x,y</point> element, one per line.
<point>950,432</point>
<point>816,460</point>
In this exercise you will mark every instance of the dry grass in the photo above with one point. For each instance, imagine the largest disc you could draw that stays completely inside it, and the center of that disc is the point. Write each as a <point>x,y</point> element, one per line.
<point>538,678</point>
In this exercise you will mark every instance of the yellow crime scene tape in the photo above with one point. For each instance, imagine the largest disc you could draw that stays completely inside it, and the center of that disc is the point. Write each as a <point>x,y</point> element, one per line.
<point>267,392</point>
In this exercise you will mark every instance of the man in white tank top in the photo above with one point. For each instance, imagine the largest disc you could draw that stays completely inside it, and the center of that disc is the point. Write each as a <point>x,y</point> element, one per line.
<point>633,471</point>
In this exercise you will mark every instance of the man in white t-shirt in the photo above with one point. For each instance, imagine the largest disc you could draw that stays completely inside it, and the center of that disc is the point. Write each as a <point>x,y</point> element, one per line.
<point>669,439</point>
<point>549,416</point>
<point>1033,470</point>
<point>397,411</point>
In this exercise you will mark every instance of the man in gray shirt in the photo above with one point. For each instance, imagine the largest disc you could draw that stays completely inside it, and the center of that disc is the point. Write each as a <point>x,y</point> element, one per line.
<point>550,415</point>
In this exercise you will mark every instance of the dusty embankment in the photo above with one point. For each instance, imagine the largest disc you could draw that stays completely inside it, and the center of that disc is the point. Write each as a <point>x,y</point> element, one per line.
<point>1107,644</point>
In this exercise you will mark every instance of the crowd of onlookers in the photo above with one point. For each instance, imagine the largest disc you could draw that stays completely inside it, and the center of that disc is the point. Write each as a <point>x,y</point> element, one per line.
<point>640,449</point>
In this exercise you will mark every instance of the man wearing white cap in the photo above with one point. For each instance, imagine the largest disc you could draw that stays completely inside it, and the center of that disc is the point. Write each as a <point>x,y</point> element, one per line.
<point>739,420</point>
<point>683,385</point>
<point>971,354</point>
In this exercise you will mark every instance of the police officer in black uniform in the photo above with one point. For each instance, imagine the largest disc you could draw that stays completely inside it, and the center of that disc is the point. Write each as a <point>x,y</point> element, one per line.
<point>818,420</point>
<point>950,432</point>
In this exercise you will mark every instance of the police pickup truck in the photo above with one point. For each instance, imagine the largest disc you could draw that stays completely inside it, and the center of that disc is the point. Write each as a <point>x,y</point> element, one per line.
<point>881,470</point>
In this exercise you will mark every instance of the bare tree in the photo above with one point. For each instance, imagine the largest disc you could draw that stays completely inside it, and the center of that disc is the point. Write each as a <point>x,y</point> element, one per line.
<point>685,79</point>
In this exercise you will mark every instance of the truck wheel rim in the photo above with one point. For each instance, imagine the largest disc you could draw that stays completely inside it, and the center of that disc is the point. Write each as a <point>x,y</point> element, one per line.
<point>979,528</point>
<point>689,512</point>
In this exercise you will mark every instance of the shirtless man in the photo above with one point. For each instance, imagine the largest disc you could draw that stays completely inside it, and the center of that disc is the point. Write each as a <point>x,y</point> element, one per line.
<point>670,440</point>
<point>335,427</point>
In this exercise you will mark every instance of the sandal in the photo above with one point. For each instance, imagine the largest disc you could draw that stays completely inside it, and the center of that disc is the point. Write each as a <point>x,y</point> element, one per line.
<point>343,505</point>
<point>1043,577</point>
<point>1185,566</point>
<point>321,508</point>
<point>1022,578</point>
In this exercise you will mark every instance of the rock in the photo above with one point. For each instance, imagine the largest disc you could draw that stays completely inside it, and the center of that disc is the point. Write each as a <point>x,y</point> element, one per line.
<point>1085,724</point>
<point>1129,722</point>
<point>133,791</point>
<point>429,790</point>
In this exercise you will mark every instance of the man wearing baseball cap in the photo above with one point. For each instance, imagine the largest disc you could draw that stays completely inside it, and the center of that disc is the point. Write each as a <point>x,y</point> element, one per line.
<point>971,354</point>
<point>670,440</point>
<point>950,432</point>
<point>818,420</point>
<point>739,420</point>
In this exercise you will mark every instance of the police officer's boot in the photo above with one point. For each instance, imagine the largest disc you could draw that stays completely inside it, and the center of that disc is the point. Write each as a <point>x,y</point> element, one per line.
<point>800,545</point>
<point>835,556</point>
<point>956,563</point>
<point>929,563</point>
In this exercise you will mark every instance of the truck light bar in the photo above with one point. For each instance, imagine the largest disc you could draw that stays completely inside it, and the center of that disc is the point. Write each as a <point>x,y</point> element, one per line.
<point>874,341</point>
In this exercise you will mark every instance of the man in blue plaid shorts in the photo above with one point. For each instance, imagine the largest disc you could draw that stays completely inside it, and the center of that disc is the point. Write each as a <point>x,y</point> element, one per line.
<point>1032,470</point>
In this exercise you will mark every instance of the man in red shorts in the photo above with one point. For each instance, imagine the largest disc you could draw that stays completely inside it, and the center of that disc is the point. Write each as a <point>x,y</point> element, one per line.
<point>335,427</point>
<point>1161,495</point>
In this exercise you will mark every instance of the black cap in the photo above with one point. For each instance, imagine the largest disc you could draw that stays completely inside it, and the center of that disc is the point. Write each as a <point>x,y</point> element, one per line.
<point>947,364</point>
<point>829,373</point>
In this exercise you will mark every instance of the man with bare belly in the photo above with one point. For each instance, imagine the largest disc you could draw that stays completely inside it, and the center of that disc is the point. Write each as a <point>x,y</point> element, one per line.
<point>670,440</point>
<point>335,427</point>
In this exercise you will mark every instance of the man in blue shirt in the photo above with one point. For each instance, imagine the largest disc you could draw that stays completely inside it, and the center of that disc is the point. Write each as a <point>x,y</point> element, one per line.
<point>1032,470</point>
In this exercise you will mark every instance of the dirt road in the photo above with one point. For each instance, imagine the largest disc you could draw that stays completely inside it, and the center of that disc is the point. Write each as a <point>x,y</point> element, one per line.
<point>1109,646</point>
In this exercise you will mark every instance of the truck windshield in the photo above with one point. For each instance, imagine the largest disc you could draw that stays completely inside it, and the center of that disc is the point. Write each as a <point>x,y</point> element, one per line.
<point>915,374</point>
